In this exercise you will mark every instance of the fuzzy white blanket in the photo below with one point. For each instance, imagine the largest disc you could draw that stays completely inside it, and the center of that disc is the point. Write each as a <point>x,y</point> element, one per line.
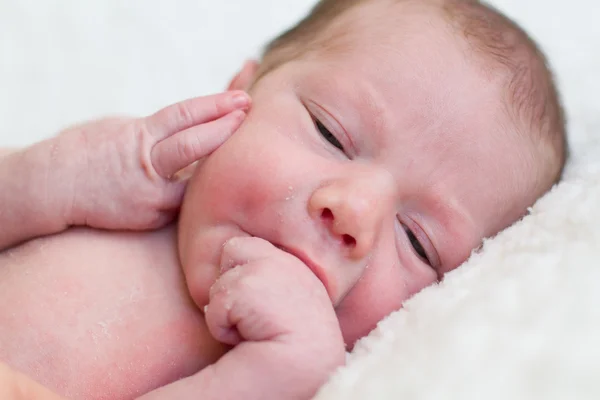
<point>520,320</point>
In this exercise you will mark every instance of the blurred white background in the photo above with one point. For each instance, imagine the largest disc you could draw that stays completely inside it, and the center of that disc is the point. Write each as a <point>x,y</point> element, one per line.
<point>62,61</point>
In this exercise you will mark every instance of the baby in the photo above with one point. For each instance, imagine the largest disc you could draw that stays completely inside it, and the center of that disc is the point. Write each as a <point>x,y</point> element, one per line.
<point>385,140</point>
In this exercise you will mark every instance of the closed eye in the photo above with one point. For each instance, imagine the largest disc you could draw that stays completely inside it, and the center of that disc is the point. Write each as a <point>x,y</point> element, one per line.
<point>417,246</point>
<point>328,135</point>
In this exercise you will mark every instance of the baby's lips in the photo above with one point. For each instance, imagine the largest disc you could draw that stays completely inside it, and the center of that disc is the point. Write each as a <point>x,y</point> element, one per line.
<point>313,266</point>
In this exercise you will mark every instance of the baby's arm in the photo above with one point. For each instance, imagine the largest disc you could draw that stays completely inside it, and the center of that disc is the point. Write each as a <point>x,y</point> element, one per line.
<point>29,205</point>
<point>278,315</point>
<point>112,173</point>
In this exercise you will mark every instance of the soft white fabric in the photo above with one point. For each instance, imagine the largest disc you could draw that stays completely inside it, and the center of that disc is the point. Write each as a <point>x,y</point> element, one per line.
<point>521,320</point>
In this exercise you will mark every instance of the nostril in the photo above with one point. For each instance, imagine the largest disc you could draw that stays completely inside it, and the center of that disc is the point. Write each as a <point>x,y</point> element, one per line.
<point>349,240</point>
<point>327,214</point>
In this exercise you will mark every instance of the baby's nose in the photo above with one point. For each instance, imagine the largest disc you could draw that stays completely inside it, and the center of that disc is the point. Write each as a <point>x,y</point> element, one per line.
<point>352,212</point>
<point>349,226</point>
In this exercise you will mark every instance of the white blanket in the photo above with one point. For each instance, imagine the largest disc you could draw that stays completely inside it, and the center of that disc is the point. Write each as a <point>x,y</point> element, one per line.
<point>520,320</point>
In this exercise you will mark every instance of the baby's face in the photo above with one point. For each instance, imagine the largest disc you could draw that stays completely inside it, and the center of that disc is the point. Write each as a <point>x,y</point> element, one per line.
<point>409,167</point>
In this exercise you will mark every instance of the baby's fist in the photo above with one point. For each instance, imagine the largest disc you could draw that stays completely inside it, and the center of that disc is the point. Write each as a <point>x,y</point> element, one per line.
<point>277,313</point>
<point>127,179</point>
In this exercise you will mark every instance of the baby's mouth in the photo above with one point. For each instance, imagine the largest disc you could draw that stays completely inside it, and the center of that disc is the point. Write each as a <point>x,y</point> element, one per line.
<point>316,269</point>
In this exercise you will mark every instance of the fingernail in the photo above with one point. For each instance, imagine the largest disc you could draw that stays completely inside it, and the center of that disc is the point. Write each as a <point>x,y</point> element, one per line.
<point>240,100</point>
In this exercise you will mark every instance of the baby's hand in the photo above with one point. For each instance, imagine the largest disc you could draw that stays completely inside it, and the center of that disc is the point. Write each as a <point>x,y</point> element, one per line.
<point>126,168</point>
<point>278,314</point>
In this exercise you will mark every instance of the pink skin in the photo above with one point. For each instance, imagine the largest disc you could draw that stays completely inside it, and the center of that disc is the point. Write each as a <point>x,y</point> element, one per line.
<point>425,149</point>
<point>295,246</point>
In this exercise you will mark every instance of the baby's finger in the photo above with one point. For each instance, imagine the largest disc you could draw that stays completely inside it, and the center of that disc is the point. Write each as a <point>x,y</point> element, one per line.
<point>242,250</point>
<point>178,151</point>
<point>198,110</point>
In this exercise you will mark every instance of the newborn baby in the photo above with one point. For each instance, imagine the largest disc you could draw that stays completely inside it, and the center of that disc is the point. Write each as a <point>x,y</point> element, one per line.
<point>385,140</point>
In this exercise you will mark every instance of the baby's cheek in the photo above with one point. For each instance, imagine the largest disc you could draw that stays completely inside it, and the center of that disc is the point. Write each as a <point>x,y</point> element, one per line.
<point>379,292</point>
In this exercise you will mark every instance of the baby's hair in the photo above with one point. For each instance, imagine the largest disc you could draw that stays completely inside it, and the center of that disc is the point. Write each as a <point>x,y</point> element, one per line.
<point>532,98</point>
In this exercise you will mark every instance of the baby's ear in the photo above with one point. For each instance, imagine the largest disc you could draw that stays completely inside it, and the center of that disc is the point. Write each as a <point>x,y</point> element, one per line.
<point>244,79</point>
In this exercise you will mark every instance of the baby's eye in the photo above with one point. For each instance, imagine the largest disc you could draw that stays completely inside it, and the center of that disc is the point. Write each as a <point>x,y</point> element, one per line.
<point>328,135</point>
<point>416,245</point>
